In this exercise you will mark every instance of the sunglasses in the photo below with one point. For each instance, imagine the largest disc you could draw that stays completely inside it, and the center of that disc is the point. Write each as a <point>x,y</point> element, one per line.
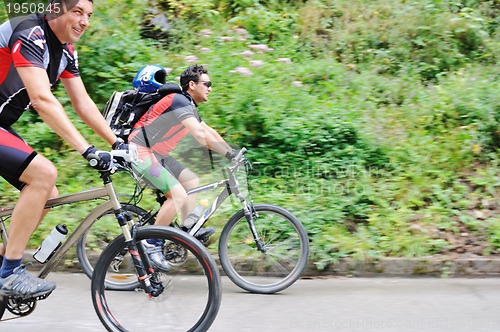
<point>206,83</point>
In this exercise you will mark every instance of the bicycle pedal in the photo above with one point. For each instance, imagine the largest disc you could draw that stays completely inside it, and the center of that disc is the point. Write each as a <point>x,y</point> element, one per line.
<point>42,297</point>
<point>204,239</point>
<point>29,298</point>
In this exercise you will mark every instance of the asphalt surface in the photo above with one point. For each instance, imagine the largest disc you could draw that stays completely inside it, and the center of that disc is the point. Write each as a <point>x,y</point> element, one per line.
<point>330,304</point>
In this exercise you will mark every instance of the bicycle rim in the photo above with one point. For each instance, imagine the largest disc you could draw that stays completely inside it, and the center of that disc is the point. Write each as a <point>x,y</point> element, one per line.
<point>285,256</point>
<point>103,230</point>
<point>190,299</point>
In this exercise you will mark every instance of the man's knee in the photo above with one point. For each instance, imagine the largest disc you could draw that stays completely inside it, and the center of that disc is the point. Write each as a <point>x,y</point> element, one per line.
<point>178,195</point>
<point>41,172</point>
<point>47,173</point>
<point>189,179</point>
<point>54,193</point>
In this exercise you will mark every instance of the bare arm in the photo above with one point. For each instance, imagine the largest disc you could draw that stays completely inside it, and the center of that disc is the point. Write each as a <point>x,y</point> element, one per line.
<point>87,109</point>
<point>49,108</point>
<point>204,135</point>
<point>216,136</point>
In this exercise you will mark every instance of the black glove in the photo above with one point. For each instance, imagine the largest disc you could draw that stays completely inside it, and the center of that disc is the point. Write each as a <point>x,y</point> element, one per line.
<point>119,144</point>
<point>100,160</point>
<point>231,154</point>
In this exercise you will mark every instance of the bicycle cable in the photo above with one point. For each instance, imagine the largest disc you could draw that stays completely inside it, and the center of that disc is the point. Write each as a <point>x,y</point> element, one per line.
<point>138,192</point>
<point>248,169</point>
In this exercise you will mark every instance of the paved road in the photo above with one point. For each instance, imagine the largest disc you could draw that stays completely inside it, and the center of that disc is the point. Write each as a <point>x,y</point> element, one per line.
<point>335,304</point>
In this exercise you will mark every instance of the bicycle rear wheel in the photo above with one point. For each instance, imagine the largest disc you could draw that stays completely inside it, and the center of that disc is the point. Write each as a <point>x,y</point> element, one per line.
<point>191,292</point>
<point>279,265</point>
<point>93,242</point>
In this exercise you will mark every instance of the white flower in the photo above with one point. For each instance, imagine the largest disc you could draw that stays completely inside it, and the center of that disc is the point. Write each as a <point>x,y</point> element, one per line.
<point>191,58</point>
<point>242,71</point>
<point>261,47</point>
<point>247,53</point>
<point>284,60</point>
<point>241,31</point>
<point>256,63</point>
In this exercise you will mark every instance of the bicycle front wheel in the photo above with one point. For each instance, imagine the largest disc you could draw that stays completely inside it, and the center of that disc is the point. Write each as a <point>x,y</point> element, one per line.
<point>282,258</point>
<point>190,293</point>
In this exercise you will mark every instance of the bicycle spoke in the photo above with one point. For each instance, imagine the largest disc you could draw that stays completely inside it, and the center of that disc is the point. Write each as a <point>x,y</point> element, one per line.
<point>284,254</point>
<point>187,298</point>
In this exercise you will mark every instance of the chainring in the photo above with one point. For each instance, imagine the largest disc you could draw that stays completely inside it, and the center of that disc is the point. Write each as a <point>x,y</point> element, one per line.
<point>19,306</point>
<point>176,254</point>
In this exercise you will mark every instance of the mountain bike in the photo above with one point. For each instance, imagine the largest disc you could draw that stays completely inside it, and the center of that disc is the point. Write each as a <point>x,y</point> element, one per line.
<point>262,248</point>
<point>182,299</point>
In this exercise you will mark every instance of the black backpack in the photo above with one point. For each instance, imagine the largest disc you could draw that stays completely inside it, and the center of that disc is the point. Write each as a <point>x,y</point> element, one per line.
<point>124,109</point>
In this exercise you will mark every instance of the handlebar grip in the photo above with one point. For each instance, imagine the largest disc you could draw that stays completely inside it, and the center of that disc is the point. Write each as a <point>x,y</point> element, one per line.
<point>93,162</point>
<point>238,156</point>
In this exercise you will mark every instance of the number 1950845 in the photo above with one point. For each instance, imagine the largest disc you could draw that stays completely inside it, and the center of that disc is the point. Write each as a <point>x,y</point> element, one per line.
<point>25,8</point>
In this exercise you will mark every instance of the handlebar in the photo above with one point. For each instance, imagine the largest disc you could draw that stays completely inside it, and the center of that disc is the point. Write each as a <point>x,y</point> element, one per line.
<point>119,157</point>
<point>131,155</point>
<point>238,158</point>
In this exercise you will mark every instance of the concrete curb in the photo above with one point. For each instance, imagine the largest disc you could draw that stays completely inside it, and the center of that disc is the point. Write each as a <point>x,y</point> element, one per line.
<point>431,266</point>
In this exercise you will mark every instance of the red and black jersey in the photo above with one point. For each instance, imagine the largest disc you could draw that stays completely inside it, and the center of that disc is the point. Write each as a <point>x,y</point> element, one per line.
<point>29,42</point>
<point>160,128</point>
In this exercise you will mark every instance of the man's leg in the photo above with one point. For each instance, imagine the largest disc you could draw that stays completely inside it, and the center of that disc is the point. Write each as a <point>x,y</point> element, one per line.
<point>54,193</point>
<point>40,177</point>
<point>176,198</point>
<point>188,180</point>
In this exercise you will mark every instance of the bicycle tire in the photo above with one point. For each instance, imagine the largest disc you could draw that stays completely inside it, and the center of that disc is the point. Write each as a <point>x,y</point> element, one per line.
<point>3,306</point>
<point>287,245</point>
<point>194,293</point>
<point>93,242</point>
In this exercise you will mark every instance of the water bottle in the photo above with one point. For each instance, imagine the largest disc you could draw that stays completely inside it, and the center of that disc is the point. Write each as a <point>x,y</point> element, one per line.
<point>195,215</point>
<point>51,243</point>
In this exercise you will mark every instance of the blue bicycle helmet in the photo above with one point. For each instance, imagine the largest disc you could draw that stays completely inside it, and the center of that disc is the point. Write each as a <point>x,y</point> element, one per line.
<point>149,78</point>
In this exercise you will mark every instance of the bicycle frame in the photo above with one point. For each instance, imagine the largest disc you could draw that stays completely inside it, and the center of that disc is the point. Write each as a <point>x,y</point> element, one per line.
<point>215,205</point>
<point>232,186</point>
<point>105,191</point>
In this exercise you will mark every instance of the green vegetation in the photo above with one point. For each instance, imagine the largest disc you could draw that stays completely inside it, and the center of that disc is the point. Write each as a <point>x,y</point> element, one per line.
<point>376,122</point>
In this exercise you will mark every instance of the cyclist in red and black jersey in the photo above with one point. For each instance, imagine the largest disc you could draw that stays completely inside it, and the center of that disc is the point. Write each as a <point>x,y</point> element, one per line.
<point>158,132</point>
<point>35,52</point>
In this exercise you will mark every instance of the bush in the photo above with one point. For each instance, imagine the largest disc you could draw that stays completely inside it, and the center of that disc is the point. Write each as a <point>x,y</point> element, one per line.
<point>434,40</point>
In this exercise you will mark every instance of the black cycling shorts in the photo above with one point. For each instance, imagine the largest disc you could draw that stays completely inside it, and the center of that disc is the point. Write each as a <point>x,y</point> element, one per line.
<point>172,165</point>
<point>15,156</point>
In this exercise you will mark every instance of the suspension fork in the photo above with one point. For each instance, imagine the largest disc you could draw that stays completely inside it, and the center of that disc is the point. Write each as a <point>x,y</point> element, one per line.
<point>251,214</point>
<point>129,230</point>
<point>139,257</point>
<point>233,187</point>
